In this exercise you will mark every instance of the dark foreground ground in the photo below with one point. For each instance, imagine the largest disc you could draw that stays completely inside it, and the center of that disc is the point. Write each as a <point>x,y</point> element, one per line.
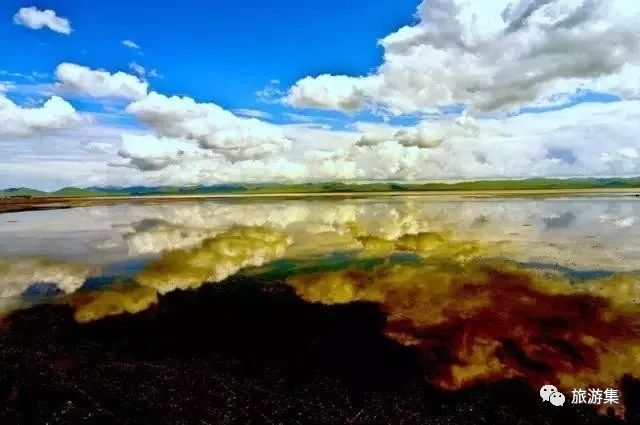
<point>244,352</point>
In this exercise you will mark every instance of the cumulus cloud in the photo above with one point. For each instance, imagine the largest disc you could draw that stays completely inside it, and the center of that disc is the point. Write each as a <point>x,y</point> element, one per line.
<point>210,126</point>
<point>148,152</point>
<point>493,56</point>
<point>423,135</point>
<point>329,92</point>
<point>130,44</point>
<point>32,17</point>
<point>54,114</point>
<point>100,84</point>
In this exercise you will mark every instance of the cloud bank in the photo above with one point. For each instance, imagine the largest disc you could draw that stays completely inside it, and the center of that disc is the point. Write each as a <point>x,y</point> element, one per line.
<point>591,139</point>
<point>492,56</point>
<point>54,114</point>
<point>213,128</point>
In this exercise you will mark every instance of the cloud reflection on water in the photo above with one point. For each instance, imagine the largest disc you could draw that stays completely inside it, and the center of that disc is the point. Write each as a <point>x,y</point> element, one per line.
<point>214,259</point>
<point>586,233</point>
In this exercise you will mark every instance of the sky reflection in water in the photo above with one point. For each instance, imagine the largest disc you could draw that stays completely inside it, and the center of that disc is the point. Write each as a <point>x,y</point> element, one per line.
<point>485,289</point>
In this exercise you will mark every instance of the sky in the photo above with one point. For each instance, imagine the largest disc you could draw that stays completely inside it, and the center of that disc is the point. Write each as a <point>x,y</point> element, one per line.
<point>201,92</point>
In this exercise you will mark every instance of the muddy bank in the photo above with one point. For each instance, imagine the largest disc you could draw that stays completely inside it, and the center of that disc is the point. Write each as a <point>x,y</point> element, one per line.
<point>244,351</point>
<point>19,203</point>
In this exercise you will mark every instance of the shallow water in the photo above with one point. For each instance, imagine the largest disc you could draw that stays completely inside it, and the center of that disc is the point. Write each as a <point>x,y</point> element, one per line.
<point>485,289</point>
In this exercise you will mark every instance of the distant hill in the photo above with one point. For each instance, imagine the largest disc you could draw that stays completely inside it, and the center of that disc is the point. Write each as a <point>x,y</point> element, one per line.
<point>69,192</point>
<point>22,191</point>
<point>525,184</point>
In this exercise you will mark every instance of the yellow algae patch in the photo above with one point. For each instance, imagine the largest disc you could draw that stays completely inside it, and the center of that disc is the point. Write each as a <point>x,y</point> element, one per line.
<point>426,242</point>
<point>100,304</point>
<point>335,287</point>
<point>309,243</point>
<point>427,245</point>
<point>214,259</point>
<point>422,292</point>
<point>376,246</point>
<point>480,364</point>
<point>484,321</point>
<point>622,289</point>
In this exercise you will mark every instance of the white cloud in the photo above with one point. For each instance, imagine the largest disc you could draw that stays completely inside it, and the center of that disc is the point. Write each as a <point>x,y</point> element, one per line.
<point>73,156</point>
<point>300,118</point>
<point>212,127</point>
<point>137,68</point>
<point>130,44</point>
<point>560,143</point>
<point>98,83</point>
<point>424,135</point>
<point>313,137</point>
<point>567,142</point>
<point>32,17</point>
<point>271,93</point>
<point>329,92</point>
<point>592,139</point>
<point>253,113</point>
<point>148,153</point>
<point>100,147</point>
<point>491,56</point>
<point>5,86</point>
<point>32,76</point>
<point>54,114</point>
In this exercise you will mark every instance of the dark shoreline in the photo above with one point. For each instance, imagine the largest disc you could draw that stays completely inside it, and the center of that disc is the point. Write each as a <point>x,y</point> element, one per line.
<point>245,351</point>
<point>20,204</point>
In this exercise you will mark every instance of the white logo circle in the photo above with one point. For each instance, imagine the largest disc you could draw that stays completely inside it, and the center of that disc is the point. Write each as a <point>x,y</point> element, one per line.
<point>546,391</point>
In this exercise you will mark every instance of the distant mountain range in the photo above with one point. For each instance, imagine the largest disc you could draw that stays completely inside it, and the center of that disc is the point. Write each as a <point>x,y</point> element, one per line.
<point>526,184</point>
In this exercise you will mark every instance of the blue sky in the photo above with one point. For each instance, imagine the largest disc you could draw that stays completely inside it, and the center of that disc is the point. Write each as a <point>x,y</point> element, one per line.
<point>217,51</point>
<point>316,91</point>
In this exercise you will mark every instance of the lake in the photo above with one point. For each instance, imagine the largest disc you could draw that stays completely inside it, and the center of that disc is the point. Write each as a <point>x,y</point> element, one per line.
<point>475,292</point>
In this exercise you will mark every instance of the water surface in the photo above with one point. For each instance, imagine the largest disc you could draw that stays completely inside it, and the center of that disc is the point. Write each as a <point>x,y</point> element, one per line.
<point>486,289</point>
